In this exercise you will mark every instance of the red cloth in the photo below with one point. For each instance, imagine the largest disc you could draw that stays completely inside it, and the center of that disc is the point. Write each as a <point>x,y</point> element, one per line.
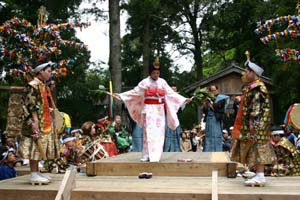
<point>238,121</point>
<point>154,92</point>
<point>110,148</point>
<point>154,101</point>
<point>46,116</point>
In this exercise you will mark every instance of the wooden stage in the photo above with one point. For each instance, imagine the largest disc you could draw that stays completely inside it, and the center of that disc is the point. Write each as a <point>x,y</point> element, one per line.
<point>162,187</point>
<point>130,165</point>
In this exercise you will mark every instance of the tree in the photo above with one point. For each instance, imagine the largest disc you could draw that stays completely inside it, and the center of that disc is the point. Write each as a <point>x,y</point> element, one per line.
<point>75,82</point>
<point>115,49</point>
<point>141,19</point>
<point>149,37</point>
<point>188,19</point>
<point>232,33</point>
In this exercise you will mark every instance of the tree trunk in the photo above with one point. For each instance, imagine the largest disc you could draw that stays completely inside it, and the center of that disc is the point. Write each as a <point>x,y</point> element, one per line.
<point>115,50</point>
<point>198,60</point>
<point>146,47</point>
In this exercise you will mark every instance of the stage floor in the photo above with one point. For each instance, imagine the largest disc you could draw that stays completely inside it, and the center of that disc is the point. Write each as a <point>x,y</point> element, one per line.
<point>172,180</point>
<point>202,164</point>
<point>158,187</point>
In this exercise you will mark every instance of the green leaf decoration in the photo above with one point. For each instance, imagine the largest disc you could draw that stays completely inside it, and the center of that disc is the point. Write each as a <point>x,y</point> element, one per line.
<point>201,95</point>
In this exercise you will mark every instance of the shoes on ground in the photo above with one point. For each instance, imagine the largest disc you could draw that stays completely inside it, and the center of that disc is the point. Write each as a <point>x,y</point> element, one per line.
<point>145,175</point>
<point>45,176</point>
<point>256,181</point>
<point>36,179</point>
<point>145,159</point>
<point>248,174</point>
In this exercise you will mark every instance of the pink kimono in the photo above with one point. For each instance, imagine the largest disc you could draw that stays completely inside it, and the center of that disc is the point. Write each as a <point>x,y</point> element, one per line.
<point>147,104</point>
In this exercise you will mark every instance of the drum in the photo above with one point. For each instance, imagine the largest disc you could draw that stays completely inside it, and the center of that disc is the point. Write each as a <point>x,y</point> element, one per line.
<point>93,152</point>
<point>295,116</point>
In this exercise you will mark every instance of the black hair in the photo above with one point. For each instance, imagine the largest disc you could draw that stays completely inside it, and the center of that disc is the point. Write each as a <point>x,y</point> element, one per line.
<point>212,86</point>
<point>248,68</point>
<point>151,68</point>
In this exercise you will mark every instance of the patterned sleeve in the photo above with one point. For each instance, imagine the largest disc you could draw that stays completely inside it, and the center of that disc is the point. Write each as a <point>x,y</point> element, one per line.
<point>30,100</point>
<point>255,108</point>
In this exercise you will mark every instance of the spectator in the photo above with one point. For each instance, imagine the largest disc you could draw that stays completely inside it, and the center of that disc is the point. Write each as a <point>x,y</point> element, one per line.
<point>7,169</point>
<point>214,113</point>
<point>119,134</point>
<point>185,143</point>
<point>172,137</point>
<point>226,141</point>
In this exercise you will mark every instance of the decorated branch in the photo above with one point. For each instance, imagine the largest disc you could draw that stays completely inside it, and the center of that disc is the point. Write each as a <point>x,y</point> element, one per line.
<point>292,30</point>
<point>201,96</point>
<point>98,95</point>
<point>24,45</point>
<point>288,54</point>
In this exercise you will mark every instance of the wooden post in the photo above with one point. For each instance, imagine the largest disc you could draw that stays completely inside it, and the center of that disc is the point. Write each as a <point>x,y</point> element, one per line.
<point>231,170</point>
<point>214,185</point>
<point>66,186</point>
<point>14,110</point>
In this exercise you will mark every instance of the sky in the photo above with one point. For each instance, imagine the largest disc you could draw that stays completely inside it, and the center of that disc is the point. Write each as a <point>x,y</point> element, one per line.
<point>96,37</point>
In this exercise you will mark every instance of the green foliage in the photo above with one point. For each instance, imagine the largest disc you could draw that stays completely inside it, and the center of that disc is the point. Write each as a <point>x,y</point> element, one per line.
<point>4,95</point>
<point>98,96</point>
<point>202,95</point>
<point>232,32</point>
<point>132,43</point>
<point>287,93</point>
<point>79,95</point>
<point>188,117</point>
<point>72,91</point>
<point>28,9</point>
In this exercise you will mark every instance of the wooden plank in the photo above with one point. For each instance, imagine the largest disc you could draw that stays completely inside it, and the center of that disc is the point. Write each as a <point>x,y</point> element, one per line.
<point>214,185</point>
<point>137,196</point>
<point>231,170</point>
<point>167,157</point>
<point>21,188</point>
<point>129,165</point>
<point>158,169</point>
<point>178,188</point>
<point>219,157</point>
<point>22,170</point>
<point>158,187</point>
<point>67,184</point>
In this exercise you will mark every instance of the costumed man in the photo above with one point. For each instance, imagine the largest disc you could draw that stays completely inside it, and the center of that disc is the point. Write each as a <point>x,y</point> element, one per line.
<point>253,146</point>
<point>288,159</point>
<point>147,104</point>
<point>214,112</point>
<point>120,135</point>
<point>38,140</point>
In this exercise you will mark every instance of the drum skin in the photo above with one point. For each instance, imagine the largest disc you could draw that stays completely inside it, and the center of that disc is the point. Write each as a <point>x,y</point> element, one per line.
<point>295,116</point>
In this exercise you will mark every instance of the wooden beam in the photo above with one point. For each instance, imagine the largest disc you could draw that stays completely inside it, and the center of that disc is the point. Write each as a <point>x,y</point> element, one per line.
<point>214,185</point>
<point>12,88</point>
<point>66,186</point>
<point>231,170</point>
